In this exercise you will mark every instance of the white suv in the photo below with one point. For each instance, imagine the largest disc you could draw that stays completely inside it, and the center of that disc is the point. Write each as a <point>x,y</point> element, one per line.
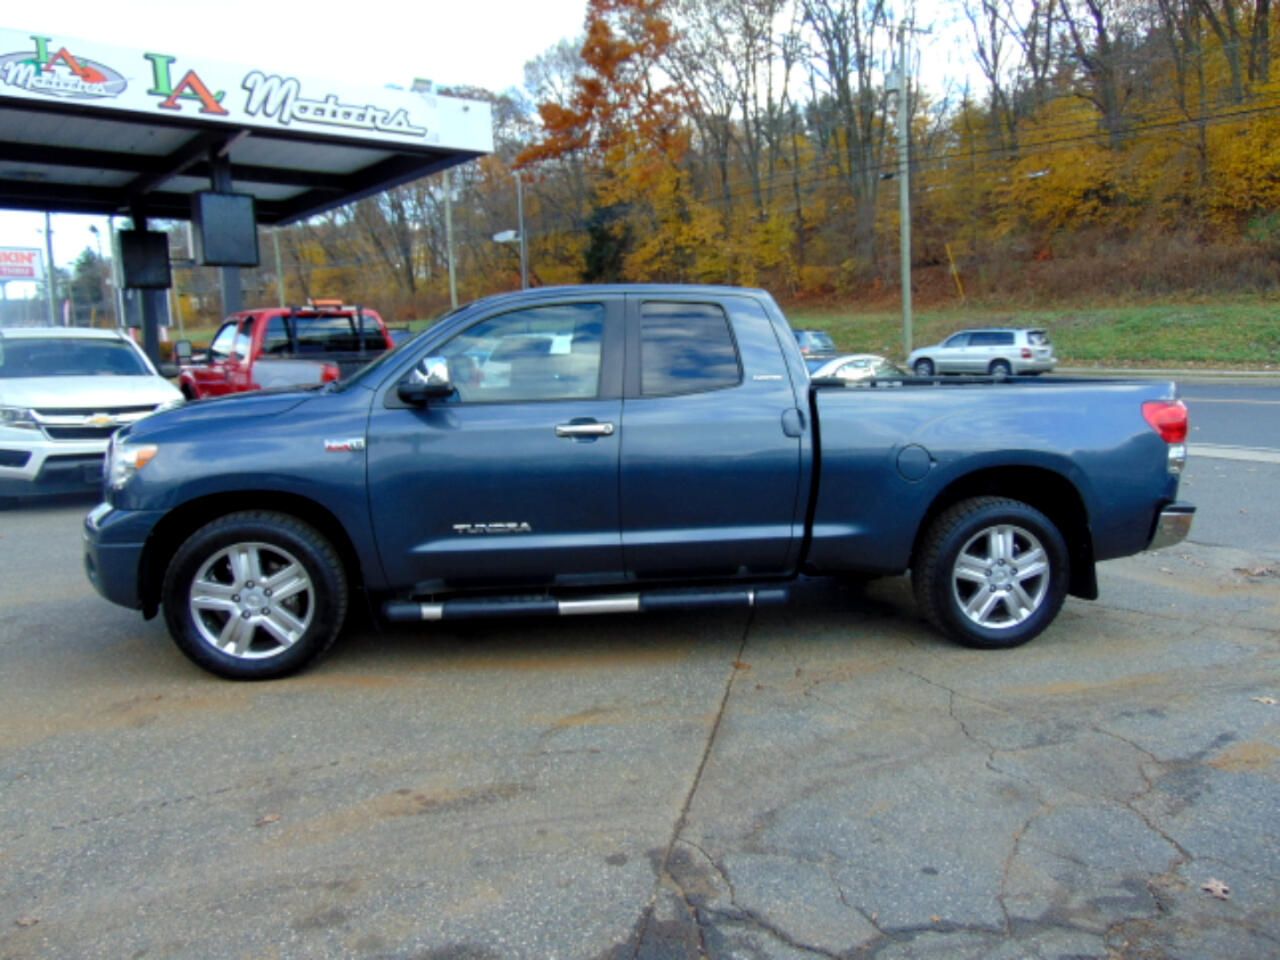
<point>997,352</point>
<point>63,392</point>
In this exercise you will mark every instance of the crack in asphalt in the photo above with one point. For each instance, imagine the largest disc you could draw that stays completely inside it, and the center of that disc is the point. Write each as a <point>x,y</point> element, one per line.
<point>664,866</point>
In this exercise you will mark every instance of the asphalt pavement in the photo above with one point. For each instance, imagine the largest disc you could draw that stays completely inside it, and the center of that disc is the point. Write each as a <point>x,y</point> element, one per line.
<point>829,779</point>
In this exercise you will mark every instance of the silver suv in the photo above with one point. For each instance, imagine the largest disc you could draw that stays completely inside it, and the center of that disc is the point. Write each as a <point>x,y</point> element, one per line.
<point>997,351</point>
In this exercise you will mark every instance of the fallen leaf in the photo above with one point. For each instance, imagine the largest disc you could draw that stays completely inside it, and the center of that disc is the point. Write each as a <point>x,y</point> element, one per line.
<point>1268,701</point>
<point>935,919</point>
<point>1216,888</point>
<point>27,921</point>
<point>739,665</point>
<point>269,818</point>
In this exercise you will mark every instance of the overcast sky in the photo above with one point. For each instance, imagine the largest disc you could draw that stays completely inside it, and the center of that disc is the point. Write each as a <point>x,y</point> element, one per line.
<point>483,43</point>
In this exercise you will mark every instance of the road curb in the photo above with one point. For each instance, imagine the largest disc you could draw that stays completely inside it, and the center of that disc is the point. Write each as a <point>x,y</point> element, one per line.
<point>1249,376</point>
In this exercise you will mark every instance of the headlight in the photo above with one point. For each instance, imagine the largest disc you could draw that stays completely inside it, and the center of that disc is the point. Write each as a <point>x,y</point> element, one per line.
<point>19,417</point>
<point>124,460</point>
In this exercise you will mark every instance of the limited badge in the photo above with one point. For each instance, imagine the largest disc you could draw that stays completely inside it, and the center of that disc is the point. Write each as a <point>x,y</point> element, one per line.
<point>352,445</point>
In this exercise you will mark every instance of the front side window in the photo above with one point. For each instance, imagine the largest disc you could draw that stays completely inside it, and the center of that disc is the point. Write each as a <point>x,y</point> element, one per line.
<point>242,343</point>
<point>540,353</point>
<point>686,348</point>
<point>959,340</point>
<point>224,342</point>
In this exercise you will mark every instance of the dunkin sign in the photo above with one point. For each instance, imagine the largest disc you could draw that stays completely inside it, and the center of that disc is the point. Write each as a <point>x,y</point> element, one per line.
<point>20,263</point>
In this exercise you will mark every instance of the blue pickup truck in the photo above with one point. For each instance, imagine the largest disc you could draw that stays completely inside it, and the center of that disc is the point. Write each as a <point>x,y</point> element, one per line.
<point>606,449</point>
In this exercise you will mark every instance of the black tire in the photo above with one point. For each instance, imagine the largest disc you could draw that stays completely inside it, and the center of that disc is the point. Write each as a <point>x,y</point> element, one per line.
<point>1000,369</point>
<point>923,368</point>
<point>946,586</point>
<point>286,552</point>
<point>188,394</point>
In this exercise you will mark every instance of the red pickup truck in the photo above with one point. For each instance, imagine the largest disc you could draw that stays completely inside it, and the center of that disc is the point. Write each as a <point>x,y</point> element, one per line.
<point>282,346</point>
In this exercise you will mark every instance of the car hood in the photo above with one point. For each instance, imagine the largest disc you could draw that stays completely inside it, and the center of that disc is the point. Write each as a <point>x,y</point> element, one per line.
<point>237,406</point>
<point>82,393</point>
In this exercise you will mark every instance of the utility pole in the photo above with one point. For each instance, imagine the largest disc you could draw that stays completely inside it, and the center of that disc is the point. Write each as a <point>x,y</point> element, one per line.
<point>448,239</point>
<point>275,242</point>
<point>48,269</point>
<point>524,250</point>
<point>904,185</point>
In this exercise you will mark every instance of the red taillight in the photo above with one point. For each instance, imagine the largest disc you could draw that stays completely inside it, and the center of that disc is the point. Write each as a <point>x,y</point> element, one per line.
<point>1026,353</point>
<point>330,373</point>
<point>1167,418</point>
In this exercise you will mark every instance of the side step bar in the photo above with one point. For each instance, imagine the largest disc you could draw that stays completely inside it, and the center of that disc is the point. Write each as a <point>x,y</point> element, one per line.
<point>412,611</point>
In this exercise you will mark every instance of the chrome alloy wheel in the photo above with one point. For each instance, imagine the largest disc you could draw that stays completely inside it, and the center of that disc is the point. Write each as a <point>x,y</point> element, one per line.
<point>1001,577</point>
<point>251,600</point>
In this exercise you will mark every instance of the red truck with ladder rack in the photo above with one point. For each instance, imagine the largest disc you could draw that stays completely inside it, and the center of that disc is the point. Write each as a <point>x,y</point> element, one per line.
<point>283,346</point>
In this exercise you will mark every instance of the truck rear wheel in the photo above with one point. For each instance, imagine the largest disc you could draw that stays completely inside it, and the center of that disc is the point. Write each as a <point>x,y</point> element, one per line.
<point>255,595</point>
<point>991,573</point>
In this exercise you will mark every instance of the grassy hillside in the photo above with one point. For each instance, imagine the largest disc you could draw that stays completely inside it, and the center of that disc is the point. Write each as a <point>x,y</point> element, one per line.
<point>1242,334</point>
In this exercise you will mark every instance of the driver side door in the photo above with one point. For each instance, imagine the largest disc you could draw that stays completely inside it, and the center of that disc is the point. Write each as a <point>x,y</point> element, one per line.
<point>513,479</point>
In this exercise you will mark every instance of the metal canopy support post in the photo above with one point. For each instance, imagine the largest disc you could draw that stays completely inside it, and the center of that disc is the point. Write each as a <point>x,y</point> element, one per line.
<point>220,179</point>
<point>148,300</point>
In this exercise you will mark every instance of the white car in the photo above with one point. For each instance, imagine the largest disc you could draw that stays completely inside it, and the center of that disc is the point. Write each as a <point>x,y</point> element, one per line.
<point>994,351</point>
<point>855,367</point>
<point>63,392</point>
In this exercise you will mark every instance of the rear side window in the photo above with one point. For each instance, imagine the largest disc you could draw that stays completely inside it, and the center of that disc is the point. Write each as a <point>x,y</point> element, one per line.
<point>1038,338</point>
<point>276,338</point>
<point>335,333</point>
<point>991,338</point>
<point>686,348</point>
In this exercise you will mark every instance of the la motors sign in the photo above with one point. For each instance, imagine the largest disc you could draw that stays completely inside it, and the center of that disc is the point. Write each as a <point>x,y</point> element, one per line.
<point>20,263</point>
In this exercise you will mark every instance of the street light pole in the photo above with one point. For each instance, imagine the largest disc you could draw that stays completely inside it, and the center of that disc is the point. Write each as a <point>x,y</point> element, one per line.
<point>524,250</point>
<point>48,269</point>
<point>448,239</point>
<point>904,186</point>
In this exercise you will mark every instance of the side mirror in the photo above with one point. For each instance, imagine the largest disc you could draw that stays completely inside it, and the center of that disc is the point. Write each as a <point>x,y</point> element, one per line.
<point>429,380</point>
<point>168,370</point>
<point>182,351</point>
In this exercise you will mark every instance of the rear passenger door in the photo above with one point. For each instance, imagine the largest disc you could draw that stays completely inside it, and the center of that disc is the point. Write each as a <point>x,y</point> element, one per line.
<point>951,355</point>
<point>711,442</point>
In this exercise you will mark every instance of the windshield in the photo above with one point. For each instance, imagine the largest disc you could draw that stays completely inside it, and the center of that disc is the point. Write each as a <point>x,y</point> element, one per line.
<point>69,357</point>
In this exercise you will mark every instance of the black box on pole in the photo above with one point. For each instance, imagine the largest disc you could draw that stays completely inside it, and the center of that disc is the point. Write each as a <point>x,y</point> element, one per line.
<point>225,228</point>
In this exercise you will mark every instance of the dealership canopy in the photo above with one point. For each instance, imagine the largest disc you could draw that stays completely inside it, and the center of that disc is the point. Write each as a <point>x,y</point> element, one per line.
<point>89,128</point>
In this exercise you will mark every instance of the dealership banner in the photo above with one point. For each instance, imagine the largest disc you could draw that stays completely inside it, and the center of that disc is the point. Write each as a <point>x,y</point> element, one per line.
<point>52,67</point>
<point>20,263</point>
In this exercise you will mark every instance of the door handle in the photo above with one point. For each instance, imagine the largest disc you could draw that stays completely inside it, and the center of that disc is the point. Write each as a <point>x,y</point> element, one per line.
<point>584,429</point>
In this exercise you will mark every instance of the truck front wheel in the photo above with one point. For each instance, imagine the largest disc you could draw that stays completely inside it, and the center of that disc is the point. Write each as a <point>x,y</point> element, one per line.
<point>255,595</point>
<point>991,572</point>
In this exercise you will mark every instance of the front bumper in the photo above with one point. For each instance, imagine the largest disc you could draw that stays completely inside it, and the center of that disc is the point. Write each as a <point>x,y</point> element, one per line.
<point>38,466</point>
<point>114,541</point>
<point>1172,525</point>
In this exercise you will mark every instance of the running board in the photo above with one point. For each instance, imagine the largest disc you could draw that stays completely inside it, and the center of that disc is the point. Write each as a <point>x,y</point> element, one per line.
<point>412,611</point>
